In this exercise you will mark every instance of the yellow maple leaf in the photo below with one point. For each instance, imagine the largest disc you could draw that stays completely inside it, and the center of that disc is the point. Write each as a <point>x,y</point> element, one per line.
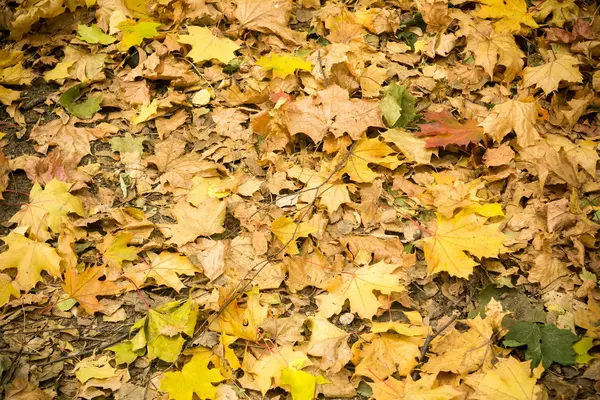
<point>46,208</point>
<point>357,286</point>
<point>86,286</point>
<point>194,378</point>
<point>548,76</point>
<point>378,356</point>
<point>30,258</point>
<point>510,14</point>
<point>146,112</point>
<point>561,10</point>
<point>366,151</point>
<point>283,64</point>
<point>114,250</point>
<point>206,46</point>
<point>393,389</point>
<point>512,115</point>
<point>287,231</point>
<point>446,249</point>
<point>411,146</point>
<point>192,222</point>
<point>242,322</point>
<point>508,379</point>
<point>330,343</point>
<point>267,370</point>
<point>7,289</point>
<point>164,268</point>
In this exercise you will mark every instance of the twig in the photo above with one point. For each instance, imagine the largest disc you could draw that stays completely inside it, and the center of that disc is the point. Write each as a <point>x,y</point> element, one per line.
<point>321,68</point>
<point>87,352</point>
<point>428,339</point>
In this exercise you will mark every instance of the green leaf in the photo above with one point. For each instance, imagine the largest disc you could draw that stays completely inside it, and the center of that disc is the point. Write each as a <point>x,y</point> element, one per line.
<point>283,64</point>
<point>581,348</point>
<point>84,109</point>
<point>397,106</point>
<point>545,343</point>
<point>135,32</point>
<point>124,353</point>
<point>128,144</point>
<point>93,34</point>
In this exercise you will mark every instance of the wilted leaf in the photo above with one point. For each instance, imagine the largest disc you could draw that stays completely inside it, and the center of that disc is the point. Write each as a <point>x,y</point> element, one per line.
<point>128,144</point>
<point>86,286</point>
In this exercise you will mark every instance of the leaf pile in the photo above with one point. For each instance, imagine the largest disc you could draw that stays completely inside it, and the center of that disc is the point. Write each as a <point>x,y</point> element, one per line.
<point>234,199</point>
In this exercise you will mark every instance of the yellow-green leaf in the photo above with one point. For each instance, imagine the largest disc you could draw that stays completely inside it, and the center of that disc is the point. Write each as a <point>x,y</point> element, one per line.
<point>283,64</point>
<point>135,32</point>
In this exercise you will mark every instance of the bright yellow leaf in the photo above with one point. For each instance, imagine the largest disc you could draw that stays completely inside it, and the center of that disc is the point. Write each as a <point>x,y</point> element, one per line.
<point>194,378</point>
<point>267,370</point>
<point>115,250</point>
<point>135,32</point>
<point>367,151</point>
<point>288,231</point>
<point>357,286</point>
<point>242,322</point>
<point>147,112</point>
<point>302,384</point>
<point>164,269</point>
<point>7,289</point>
<point>446,249</point>
<point>30,258</point>
<point>46,209</point>
<point>283,64</point>
<point>378,356</point>
<point>206,46</point>
<point>510,14</point>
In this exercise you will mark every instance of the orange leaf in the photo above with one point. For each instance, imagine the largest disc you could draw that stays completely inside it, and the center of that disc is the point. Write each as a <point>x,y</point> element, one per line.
<point>85,286</point>
<point>444,129</point>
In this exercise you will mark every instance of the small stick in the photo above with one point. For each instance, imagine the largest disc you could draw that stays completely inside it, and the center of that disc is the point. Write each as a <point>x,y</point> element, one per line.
<point>428,339</point>
<point>87,352</point>
<point>321,67</point>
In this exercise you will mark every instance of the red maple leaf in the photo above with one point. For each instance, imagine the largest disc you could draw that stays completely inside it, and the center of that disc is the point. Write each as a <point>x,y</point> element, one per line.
<point>443,129</point>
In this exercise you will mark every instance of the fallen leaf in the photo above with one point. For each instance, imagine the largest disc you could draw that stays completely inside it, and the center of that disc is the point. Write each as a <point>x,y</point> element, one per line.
<point>393,389</point>
<point>134,33</point>
<point>164,269</point>
<point>562,11</point>
<point>238,321</point>
<point>194,378</point>
<point>206,46</point>
<point>192,222</point>
<point>413,148</point>
<point>330,343</point>
<point>512,115</point>
<point>443,129</point>
<point>357,286</point>
<point>93,34</point>
<point>364,152</point>
<point>115,250</point>
<point>268,16</point>
<point>283,65</point>
<point>510,14</point>
<point>7,289</point>
<point>288,231</point>
<point>302,384</point>
<point>548,76</point>
<point>86,286</point>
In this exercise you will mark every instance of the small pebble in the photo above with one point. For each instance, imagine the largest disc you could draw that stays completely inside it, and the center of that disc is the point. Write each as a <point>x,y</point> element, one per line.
<point>346,318</point>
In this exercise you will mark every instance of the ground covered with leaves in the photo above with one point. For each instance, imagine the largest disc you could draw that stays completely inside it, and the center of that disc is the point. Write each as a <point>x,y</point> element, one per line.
<point>246,199</point>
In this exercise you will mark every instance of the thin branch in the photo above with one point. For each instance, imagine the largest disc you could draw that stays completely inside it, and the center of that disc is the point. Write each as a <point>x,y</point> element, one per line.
<point>89,351</point>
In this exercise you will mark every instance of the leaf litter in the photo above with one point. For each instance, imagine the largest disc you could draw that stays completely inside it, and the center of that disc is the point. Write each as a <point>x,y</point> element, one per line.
<point>278,199</point>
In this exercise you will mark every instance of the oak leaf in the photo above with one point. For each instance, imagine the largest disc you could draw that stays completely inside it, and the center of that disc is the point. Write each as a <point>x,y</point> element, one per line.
<point>46,209</point>
<point>206,46</point>
<point>512,115</point>
<point>509,378</point>
<point>510,14</point>
<point>194,378</point>
<point>357,286</point>
<point>331,110</point>
<point>446,249</point>
<point>444,129</point>
<point>30,258</point>
<point>86,286</point>
<point>115,250</point>
<point>164,268</point>
<point>548,76</point>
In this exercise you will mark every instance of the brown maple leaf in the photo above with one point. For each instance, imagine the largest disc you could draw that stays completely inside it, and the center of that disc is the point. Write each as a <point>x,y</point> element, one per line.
<point>443,129</point>
<point>86,286</point>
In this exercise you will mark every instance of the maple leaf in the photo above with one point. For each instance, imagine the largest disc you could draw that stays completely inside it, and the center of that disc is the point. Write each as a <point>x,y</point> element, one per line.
<point>511,14</point>
<point>115,250</point>
<point>283,65</point>
<point>302,384</point>
<point>238,321</point>
<point>288,231</point>
<point>192,222</point>
<point>86,286</point>
<point>164,269</point>
<point>128,144</point>
<point>206,46</point>
<point>146,112</point>
<point>491,48</point>
<point>378,356</point>
<point>509,378</point>
<point>397,106</point>
<point>444,129</point>
<point>134,33</point>
<point>365,151</point>
<point>446,249</point>
<point>8,96</point>
<point>393,389</point>
<point>561,10</point>
<point>94,367</point>
<point>84,109</point>
<point>11,69</point>
<point>548,76</point>
<point>30,258</point>
<point>160,331</point>
<point>268,16</point>
<point>331,110</point>
<point>413,148</point>
<point>194,378</point>
<point>330,343</point>
<point>46,209</point>
<point>93,34</point>
<point>512,115</point>
<point>7,289</point>
<point>357,286</point>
